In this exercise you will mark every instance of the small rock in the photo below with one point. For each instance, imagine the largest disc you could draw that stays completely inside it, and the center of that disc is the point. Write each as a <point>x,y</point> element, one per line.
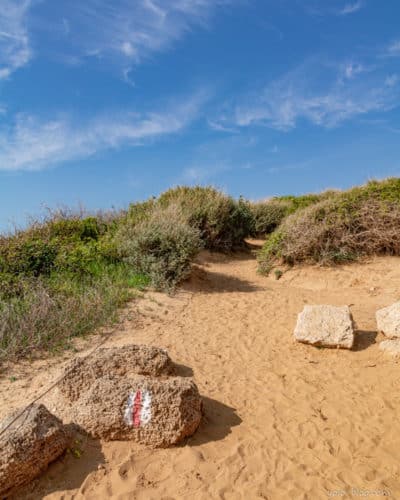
<point>29,445</point>
<point>388,320</point>
<point>326,326</point>
<point>391,346</point>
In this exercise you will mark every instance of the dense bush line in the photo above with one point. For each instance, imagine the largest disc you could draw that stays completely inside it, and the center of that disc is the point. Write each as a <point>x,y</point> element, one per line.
<point>68,274</point>
<point>340,228</point>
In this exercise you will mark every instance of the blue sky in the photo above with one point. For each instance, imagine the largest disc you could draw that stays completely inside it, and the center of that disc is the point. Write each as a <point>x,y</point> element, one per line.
<point>103,103</point>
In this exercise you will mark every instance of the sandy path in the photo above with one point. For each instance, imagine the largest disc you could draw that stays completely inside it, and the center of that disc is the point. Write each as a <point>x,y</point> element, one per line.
<point>283,420</point>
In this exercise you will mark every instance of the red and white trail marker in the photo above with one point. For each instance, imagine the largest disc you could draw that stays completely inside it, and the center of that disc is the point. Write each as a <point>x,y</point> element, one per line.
<point>138,408</point>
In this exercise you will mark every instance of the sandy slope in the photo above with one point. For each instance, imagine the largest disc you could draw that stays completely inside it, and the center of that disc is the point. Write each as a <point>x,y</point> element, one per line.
<point>283,420</point>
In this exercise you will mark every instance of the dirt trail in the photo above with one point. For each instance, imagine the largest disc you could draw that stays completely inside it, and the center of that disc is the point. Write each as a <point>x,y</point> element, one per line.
<point>283,420</point>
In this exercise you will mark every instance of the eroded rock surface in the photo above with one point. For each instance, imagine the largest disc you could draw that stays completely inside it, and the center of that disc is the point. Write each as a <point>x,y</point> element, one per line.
<point>388,320</point>
<point>390,346</point>
<point>154,412</point>
<point>122,361</point>
<point>325,325</point>
<point>29,445</point>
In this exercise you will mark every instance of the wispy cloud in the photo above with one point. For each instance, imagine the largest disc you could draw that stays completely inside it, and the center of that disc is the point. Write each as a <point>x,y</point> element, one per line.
<point>218,127</point>
<point>394,49</point>
<point>351,70</point>
<point>351,8</point>
<point>198,174</point>
<point>33,144</point>
<point>15,50</point>
<point>392,80</point>
<point>319,94</point>
<point>133,30</point>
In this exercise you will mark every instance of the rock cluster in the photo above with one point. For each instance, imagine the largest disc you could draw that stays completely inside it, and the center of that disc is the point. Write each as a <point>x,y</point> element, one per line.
<point>330,326</point>
<point>29,445</point>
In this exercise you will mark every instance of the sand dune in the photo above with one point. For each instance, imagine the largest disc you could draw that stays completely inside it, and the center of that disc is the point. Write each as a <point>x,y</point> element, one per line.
<point>282,420</point>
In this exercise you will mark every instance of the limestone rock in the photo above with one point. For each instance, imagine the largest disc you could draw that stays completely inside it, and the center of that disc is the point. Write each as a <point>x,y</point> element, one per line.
<point>122,361</point>
<point>327,326</point>
<point>388,320</point>
<point>154,412</point>
<point>29,445</point>
<point>391,346</point>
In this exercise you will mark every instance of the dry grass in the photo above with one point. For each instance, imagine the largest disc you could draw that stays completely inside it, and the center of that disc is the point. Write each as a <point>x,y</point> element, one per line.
<point>362,221</point>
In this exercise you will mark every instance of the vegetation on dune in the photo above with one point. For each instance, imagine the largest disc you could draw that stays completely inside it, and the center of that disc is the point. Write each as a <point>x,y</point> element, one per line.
<point>161,246</point>
<point>269,214</point>
<point>223,222</point>
<point>58,279</point>
<point>68,274</point>
<point>342,227</point>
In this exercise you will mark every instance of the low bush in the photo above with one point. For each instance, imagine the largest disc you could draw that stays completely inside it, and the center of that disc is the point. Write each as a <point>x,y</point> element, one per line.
<point>161,246</point>
<point>343,227</point>
<point>223,222</point>
<point>268,215</point>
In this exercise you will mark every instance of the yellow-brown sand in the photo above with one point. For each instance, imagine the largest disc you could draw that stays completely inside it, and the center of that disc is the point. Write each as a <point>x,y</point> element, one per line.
<point>282,420</point>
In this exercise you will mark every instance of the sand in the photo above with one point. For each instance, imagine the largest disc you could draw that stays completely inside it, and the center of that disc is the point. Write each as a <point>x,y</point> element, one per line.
<point>283,420</point>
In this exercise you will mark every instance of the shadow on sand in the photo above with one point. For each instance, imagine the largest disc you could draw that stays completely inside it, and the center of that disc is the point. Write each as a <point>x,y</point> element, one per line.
<point>364,339</point>
<point>213,282</point>
<point>183,370</point>
<point>217,423</point>
<point>68,472</point>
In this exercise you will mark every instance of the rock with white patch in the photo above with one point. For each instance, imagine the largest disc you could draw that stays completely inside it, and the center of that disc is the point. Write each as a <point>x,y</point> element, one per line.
<point>152,411</point>
<point>390,346</point>
<point>388,320</point>
<point>326,326</point>
<point>29,445</point>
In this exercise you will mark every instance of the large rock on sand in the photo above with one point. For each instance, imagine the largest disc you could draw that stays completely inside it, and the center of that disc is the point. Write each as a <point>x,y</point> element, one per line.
<point>154,412</point>
<point>28,446</point>
<point>391,346</point>
<point>122,361</point>
<point>388,320</point>
<point>326,326</point>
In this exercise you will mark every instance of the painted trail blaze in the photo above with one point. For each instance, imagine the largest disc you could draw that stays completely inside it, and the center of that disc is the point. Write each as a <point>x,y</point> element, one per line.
<point>138,408</point>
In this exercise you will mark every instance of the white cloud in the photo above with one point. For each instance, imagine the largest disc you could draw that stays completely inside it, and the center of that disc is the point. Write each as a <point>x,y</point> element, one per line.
<point>32,144</point>
<point>392,80</point>
<point>15,50</point>
<point>218,127</point>
<point>394,49</point>
<point>133,30</point>
<point>203,174</point>
<point>350,8</point>
<point>310,92</point>
<point>351,70</point>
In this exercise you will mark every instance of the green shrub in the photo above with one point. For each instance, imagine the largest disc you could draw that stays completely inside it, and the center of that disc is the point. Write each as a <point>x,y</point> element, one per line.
<point>161,246</point>
<point>223,222</point>
<point>27,254</point>
<point>267,216</point>
<point>47,315</point>
<point>341,228</point>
